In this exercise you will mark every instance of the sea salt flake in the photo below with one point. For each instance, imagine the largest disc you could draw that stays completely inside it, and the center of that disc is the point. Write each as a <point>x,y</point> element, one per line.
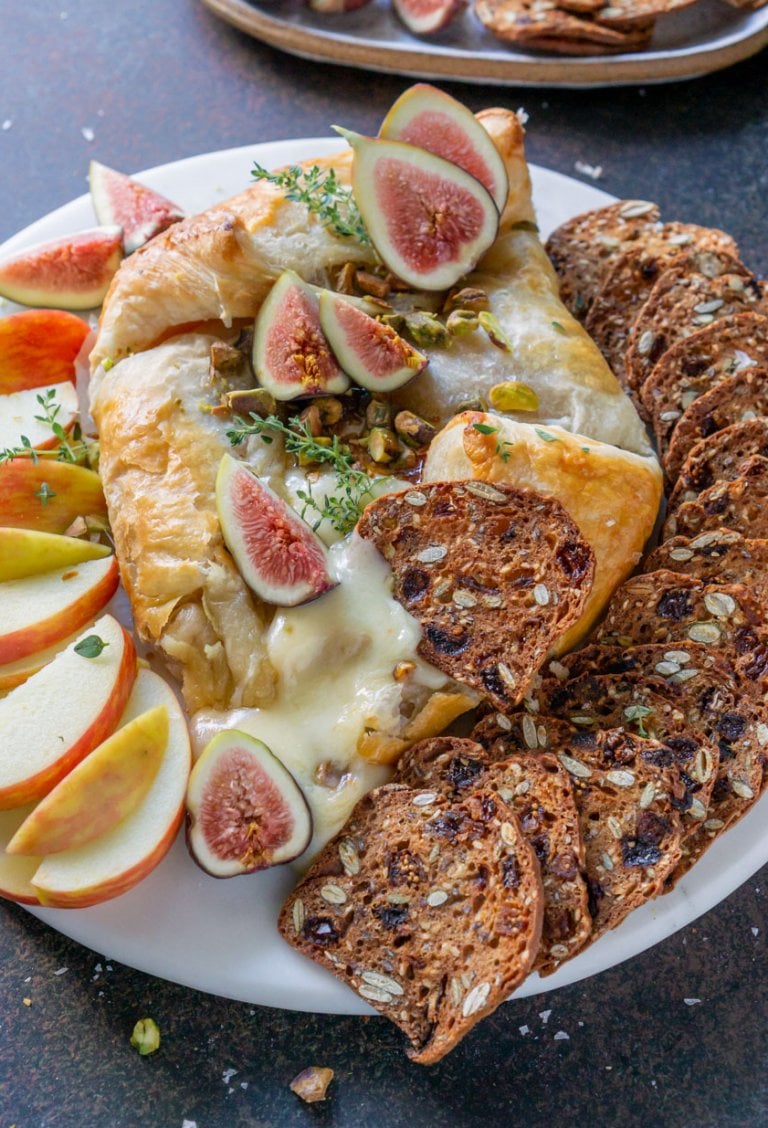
<point>61,971</point>
<point>6,125</point>
<point>524,1030</point>
<point>88,133</point>
<point>592,171</point>
<point>228,1074</point>
<point>544,1016</point>
<point>561,1036</point>
<point>188,1123</point>
<point>754,931</point>
<point>691,1002</point>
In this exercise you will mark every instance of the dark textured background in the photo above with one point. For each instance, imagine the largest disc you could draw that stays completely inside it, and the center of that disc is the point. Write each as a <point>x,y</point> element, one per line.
<point>157,80</point>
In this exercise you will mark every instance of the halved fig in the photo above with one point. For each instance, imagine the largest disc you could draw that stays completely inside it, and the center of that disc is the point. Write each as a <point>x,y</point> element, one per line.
<point>278,555</point>
<point>245,811</point>
<point>369,351</point>
<point>433,120</point>
<point>141,212</point>
<point>429,220</point>
<point>424,17</point>
<point>70,273</point>
<point>291,356</point>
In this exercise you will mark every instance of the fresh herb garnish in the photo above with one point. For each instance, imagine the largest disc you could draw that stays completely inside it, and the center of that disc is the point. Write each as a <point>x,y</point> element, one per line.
<point>90,647</point>
<point>504,449</point>
<point>559,328</point>
<point>44,493</point>
<point>354,488</point>
<point>485,429</point>
<point>72,447</point>
<point>638,713</point>
<point>323,196</point>
<point>545,435</point>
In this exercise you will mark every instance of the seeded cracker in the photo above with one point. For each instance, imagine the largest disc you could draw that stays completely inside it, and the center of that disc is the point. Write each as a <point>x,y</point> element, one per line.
<point>698,363</point>
<point>624,15</point>
<point>719,458</point>
<point>625,790</point>
<point>584,249</point>
<point>430,910</point>
<point>539,791</point>
<point>740,505</point>
<point>494,575</point>
<point>541,25</point>
<point>736,399</point>
<point>721,557</point>
<point>665,607</point>
<point>694,291</point>
<point>628,285</point>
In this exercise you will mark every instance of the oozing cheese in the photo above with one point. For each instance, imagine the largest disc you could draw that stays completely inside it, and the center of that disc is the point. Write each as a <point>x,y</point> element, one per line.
<point>335,659</point>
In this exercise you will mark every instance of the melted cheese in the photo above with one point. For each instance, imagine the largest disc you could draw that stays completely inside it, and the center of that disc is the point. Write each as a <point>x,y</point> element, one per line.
<point>334,659</point>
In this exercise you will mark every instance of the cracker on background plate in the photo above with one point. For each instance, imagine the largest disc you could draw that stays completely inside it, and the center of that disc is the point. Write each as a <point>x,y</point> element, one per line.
<point>541,25</point>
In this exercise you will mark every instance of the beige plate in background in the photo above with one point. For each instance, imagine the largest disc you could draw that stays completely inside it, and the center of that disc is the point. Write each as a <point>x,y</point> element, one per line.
<point>687,44</point>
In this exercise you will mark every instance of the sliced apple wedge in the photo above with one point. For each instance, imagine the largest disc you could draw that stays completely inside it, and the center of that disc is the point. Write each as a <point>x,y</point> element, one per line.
<point>16,873</point>
<point>37,611</point>
<point>16,673</point>
<point>64,711</point>
<point>101,791</point>
<point>47,494</point>
<point>28,552</point>
<point>118,860</point>
<point>24,414</point>
<point>39,346</point>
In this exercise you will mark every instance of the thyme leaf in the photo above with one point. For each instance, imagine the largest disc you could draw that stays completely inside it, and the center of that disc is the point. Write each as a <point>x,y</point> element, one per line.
<point>91,646</point>
<point>71,447</point>
<point>323,196</point>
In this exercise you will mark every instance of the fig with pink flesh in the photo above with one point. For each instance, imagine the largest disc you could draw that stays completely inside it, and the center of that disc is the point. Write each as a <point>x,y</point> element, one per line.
<point>433,120</point>
<point>369,351</point>
<point>425,17</point>
<point>245,811</point>
<point>291,356</point>
<point>120,200</point>
<point>70,273</point>
<point>429,220</point>
<point>278,555</point>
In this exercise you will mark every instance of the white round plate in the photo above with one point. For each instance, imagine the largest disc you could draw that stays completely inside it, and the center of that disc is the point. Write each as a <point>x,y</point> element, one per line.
<point>220,936</point>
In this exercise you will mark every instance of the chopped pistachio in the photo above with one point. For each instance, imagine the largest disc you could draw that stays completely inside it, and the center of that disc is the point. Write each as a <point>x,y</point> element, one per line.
<point>378,413</point>
<point>312,1083</point>
<point>494,330</point>
<point>470,298</point>
<point>412,428</point>
<point>146,1036</point>
<point>513,396</point>
<point>383,445</point>
<point>426,329</point>
<point>251,401</point>
<point>460,322</point>
<point>372,284</point>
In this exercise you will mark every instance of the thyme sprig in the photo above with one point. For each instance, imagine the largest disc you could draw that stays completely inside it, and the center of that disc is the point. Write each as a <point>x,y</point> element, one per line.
<point>72,447</point>
<point>354,488</point>
<point>323,195</point>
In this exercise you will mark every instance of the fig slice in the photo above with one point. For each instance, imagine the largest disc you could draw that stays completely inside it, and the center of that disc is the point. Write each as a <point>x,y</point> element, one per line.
<point>69,273</point>
<point>425,17</point>
<point>277,553</point>
<point>245,811</point>
<point>433,120</point>
<point>118,199</point>
<point>429,220</point>
<point>291,356</point>
<point>369,351</point>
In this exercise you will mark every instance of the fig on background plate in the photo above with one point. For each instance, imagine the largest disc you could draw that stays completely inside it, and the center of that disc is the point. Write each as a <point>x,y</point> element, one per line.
<point>245,811</point>
<point>429,220</point>
<point>291,356</point>
<point>278,555</point>
<point>425,17</point>
<point>141,212</point>
<point>433,120</point>
<point>369,351</point>
<point>69,273</point>
<point>39,346</point>
<point>329,6</point>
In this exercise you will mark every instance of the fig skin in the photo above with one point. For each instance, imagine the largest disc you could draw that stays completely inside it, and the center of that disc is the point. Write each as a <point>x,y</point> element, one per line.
<point>429,220</point>
<point>245,811</point>
<point>372,353</point>
<point>73,273</point>
<point>291,356</point>
<point>425,17</point>
<point>433,120</point>
<point>276,552</point>
<point>140,211</point>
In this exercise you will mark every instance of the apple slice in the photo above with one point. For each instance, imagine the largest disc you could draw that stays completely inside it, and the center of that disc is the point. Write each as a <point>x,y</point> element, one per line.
<point>15,673</point>
<point>23,413</point>
<point>38,347</point>
<point>16,873</point>
<point>100,792</point>
<point>115,862</point>
<point>37,611</point>
<point>63,712</point>
<point>27,552</point>
<point>48,495</point>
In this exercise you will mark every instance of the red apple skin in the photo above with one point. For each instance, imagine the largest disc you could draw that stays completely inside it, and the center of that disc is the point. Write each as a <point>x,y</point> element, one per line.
<point>38,347</point>
<point>15,873</point>
<point>34,787</point>
<point>120,884</point>
<point>31,639</point>
<point>73,492</point>
<point>13,674</point>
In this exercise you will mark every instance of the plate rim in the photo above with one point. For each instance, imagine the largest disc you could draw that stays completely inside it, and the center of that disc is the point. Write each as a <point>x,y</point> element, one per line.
<point>652,924</point>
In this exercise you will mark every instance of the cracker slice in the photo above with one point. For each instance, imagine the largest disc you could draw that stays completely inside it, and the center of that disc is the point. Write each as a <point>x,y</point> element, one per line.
<point>539,791</point>
<point>584,249</point>
<point>632,277</point>
<point>720,557</point>
<point>430,910</point>
<point>735,399</point>
<point>528,23</point>
<point>694,291</point>
<point>740,505</point>
<point>719,458</point>
<point>494,575</point>
<point>628,14</point>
